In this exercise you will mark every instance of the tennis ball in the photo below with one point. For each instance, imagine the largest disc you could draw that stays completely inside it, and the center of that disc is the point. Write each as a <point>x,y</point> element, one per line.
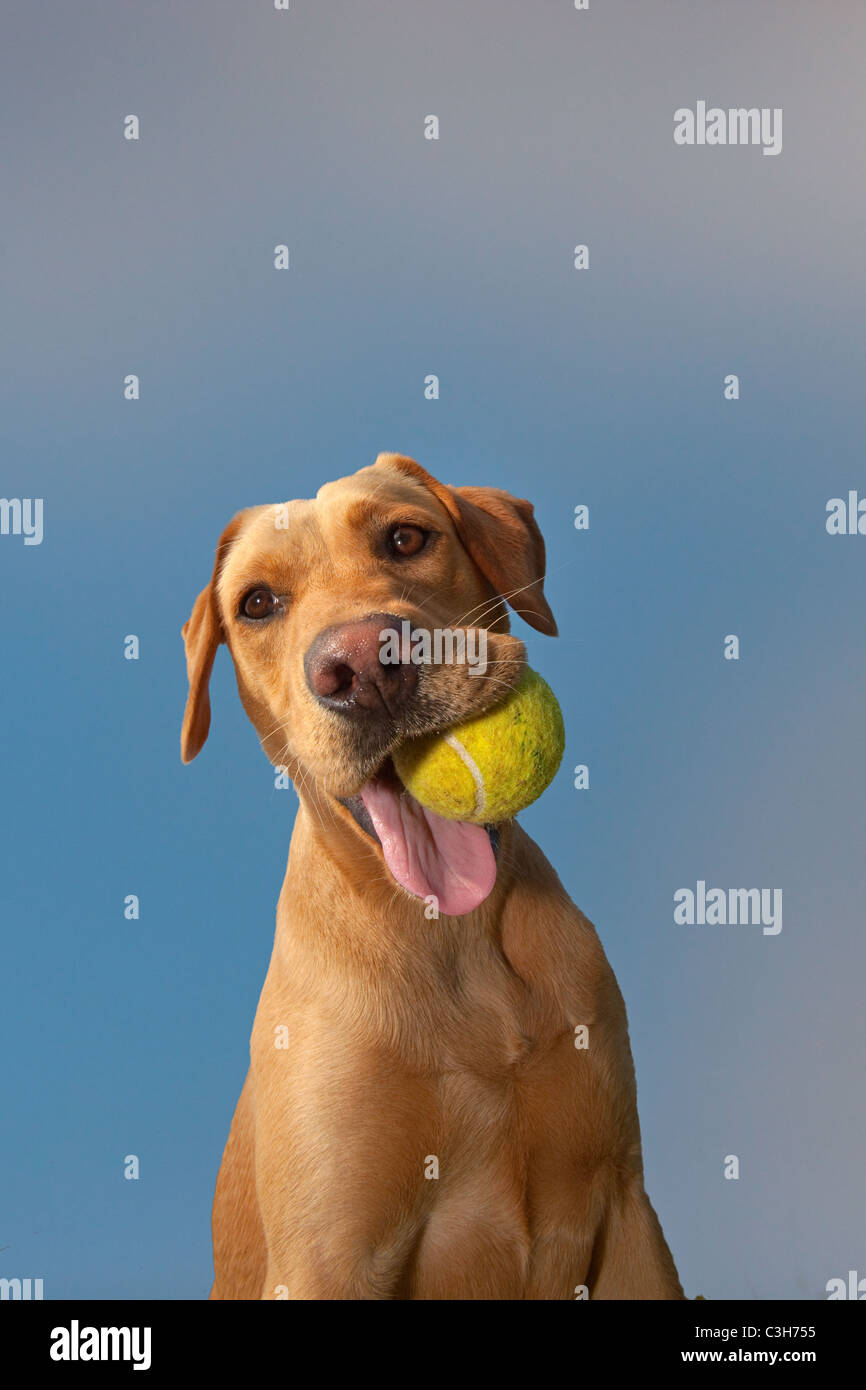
<point>492,766</point>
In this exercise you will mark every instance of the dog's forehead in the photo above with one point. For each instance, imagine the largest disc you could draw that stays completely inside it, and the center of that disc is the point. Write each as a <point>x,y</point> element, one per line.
<point>335,502</point>
<point>304,528</point>
<point>342,503</point>
<point>380,482</point>
<point>267,527</point>
<point>268,538</point>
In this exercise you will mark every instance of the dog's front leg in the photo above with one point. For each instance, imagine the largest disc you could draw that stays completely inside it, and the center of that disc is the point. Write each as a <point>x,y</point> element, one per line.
<point>631,1259</point>
<point>240,1255</point>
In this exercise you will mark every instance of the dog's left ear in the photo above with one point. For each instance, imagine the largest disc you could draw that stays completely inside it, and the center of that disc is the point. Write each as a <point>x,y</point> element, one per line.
<point>502,536</point>
<point>202,634</point>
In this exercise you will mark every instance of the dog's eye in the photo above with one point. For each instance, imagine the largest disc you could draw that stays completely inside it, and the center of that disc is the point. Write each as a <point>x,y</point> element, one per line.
<point>407,540</point>
<point>259,603</point>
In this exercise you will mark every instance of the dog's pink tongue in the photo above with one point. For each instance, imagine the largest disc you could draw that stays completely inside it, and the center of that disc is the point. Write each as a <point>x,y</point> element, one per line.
<point>428,855</point>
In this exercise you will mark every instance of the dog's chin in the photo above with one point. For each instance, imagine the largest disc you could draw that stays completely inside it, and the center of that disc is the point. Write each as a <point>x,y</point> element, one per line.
<point>449,864</point>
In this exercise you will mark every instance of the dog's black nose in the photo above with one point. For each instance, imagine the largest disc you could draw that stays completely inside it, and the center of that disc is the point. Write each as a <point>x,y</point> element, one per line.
<point>350,667</point>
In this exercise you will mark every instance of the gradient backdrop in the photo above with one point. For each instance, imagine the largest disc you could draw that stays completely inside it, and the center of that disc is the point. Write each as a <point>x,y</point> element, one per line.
<point>602,387</point>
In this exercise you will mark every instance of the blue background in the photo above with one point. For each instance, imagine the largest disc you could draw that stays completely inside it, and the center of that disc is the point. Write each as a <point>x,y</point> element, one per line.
<point>603,387</point>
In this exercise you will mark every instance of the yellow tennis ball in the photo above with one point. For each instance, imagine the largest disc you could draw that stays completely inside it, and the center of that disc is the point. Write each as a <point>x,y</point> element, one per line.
<point>494,765</point>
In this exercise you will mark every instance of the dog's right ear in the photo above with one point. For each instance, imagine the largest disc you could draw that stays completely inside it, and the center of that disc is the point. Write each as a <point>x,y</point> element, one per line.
<point>202,633</point>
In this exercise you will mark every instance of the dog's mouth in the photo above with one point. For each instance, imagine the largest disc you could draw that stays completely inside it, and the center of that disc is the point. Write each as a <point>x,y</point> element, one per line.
<point>449,863</point>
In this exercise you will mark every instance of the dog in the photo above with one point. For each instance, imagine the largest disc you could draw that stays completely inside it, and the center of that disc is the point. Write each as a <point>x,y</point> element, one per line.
<point>420,1119</point>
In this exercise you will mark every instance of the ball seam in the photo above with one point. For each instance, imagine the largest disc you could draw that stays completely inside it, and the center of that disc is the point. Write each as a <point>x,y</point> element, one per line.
<point>474,771</point>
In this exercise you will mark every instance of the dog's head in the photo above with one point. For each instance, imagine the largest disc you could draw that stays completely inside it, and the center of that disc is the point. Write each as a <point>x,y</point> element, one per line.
<point>324,605</point>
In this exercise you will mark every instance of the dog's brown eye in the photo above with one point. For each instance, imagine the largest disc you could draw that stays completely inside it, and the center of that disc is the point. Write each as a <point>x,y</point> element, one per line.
<point>407,540</point>
<point>260,603</point>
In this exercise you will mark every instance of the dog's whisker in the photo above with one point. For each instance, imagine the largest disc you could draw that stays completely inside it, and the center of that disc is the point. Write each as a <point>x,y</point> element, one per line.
<point>494,599</point>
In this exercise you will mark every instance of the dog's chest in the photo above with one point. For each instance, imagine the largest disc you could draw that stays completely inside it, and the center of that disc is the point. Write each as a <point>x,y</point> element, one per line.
<point>436,1133</point>
<point>459,1066</point>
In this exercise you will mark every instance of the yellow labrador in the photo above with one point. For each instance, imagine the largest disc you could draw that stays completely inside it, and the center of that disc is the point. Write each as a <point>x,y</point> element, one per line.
<point>417,1121</point>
